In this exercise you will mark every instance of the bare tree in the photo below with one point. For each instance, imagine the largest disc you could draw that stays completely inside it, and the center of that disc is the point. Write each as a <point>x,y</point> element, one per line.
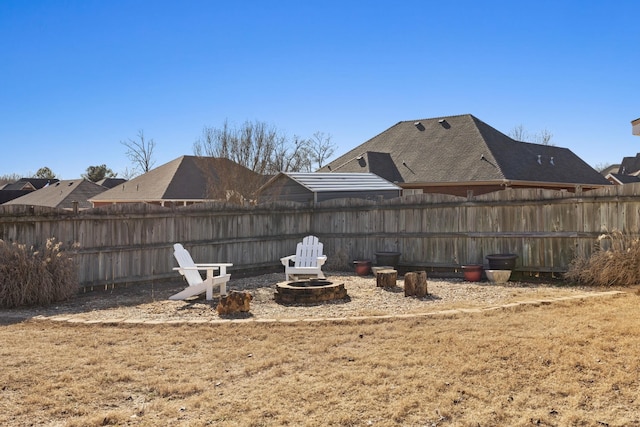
<point>140,152</point>
<point>9,178</point>
<point>257,146</point>
<point>519,133</point>
<point>543,137</point>
<point>321,148</point>
<point>601,166</point>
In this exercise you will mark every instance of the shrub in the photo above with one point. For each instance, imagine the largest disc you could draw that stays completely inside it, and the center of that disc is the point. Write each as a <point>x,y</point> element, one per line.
<point>615,261</point>
<point>32,277</point>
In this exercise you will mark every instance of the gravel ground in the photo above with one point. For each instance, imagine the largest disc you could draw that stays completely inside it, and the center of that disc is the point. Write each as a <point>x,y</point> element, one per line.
<point>150,302</point>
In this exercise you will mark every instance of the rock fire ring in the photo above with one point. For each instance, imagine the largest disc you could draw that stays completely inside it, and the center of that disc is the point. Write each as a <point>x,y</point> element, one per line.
<point>311,291</point>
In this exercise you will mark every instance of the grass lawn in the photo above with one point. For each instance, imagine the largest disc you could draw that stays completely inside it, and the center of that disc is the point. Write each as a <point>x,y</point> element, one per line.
<point>568,363</point>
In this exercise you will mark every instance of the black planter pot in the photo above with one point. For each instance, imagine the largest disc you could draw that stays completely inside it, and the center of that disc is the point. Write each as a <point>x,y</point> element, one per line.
<point>388,258</point>
<point>502,261</point>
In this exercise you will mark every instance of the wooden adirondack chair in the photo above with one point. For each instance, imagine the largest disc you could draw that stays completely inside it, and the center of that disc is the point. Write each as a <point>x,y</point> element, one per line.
<point>191,272</point>
<point>307,262</point>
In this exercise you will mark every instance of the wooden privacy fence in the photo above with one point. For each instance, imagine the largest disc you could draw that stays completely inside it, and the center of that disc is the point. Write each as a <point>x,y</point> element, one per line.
<point>133,243</point>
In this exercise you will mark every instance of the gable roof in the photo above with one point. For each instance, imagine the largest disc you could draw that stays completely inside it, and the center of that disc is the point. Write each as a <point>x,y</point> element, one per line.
<point>619,179</point>
<point>62,194</point>
<point>630,165</point>
<point>463,149</point>
<point>187,178</point>
<point>29,184</point>
<point>111,182</point>
<point>319,182</point>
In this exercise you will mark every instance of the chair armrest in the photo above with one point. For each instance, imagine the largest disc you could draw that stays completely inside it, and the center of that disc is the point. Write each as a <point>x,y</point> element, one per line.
<point>215,264</point>
<point>321,260</point>
<point>209,267</point>
<point>285,260</point>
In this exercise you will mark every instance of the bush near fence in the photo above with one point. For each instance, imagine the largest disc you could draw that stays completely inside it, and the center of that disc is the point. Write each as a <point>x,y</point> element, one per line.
<point>133,242</point>
<point>31,276</point>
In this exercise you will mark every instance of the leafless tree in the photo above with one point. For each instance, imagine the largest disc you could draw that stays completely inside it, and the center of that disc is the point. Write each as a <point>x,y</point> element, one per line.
<point>321,148</point>
<point>9,178</point>
<point>519,133</point>
<point>140,152</point>
<point>601,166</point>
<point>257,146</point>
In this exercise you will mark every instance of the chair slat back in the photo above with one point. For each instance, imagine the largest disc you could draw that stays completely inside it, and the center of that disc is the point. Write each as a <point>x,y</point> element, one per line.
<point>308,251</point>
<point>184,260</point>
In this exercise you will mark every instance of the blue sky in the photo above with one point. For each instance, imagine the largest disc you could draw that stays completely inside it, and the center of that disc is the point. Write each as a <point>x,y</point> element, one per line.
<point>78,77</point>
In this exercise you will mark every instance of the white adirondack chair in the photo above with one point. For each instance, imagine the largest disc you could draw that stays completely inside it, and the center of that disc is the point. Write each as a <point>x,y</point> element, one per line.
<point>191,272</point>
<point>307,262</point>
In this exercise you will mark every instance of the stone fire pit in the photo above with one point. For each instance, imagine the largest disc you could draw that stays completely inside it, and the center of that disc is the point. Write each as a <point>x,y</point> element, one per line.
<point>309,291</point>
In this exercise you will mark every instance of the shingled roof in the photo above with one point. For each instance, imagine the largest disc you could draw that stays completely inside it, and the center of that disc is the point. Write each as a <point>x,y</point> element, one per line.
<point>187,179</point>
<point>455,150</point>
<point>62,194</point>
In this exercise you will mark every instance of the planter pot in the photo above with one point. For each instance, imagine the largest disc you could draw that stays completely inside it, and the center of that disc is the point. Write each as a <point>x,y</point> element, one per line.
<point>498,276</point>
<point>472,273</point>
<point>388,258</point>
<point>502,261</point>
<point>363,267</point>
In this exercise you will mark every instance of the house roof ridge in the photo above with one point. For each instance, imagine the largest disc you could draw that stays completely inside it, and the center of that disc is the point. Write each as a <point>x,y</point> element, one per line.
<point>451,116</point>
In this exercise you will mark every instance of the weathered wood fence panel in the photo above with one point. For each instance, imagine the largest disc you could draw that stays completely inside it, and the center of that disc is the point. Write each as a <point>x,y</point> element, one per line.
<point>131,243</point>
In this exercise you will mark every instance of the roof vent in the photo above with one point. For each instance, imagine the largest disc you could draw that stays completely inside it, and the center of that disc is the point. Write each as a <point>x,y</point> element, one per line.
<point>445,124</point>
<point>419,126</point>
<point>539,159</point>
<point>70,184</point>
<point>551,161</point>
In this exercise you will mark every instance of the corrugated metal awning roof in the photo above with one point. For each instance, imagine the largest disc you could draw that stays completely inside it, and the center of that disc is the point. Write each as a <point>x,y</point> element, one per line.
<point>331,181</point>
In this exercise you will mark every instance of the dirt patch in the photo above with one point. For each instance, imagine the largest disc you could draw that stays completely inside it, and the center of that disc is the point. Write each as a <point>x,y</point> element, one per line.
<point>150,302</point>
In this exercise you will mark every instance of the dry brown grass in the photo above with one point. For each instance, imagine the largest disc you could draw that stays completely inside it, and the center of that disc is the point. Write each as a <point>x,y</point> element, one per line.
<point>563,364</point>
<point>29,276</point>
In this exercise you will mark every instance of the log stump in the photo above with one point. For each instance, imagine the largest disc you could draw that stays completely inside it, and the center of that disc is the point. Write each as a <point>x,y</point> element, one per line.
<point>415,284</point>
<point>234,302</point>
<point>421,286</point>
<point>386,278</point>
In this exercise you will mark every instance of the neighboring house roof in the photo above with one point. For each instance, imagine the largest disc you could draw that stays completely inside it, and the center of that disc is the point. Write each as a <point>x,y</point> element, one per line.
<point>462,149</point>
<point>185,179</point>
<point>29,184</point>
<point>629,165</point>
<point>62,194</point>
<point>610,169</point>
<point>7,195</point>
<point>337,182</point>
<point>320,186</point>
<point>111,182</point>
<point>619,179</point>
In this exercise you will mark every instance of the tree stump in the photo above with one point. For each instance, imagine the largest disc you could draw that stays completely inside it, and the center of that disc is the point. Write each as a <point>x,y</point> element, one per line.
<point>421,286</point>
<point>415,284</point>
<point>234,302</point>
<point>386,278</point>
